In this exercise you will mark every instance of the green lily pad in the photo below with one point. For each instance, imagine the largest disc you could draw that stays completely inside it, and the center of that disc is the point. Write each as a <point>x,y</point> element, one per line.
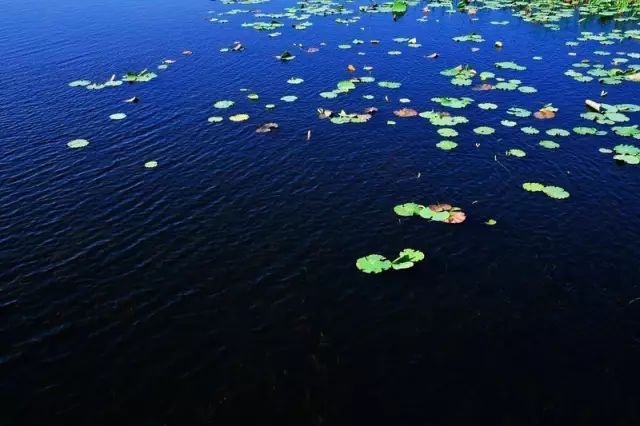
<point>519,112</point>
<point>516,152</point>
<point>510,66</point>
<point>484,130</point>
<point>585,130</point>
<point>289,98</point>
<point>329,95</point>
<point>239,117</point>
<point>533,186</point>
<point>549,144</point>
<point>447,133</point>
<point>407,258</point>
<point>118,116</point>
<point>79,83</point>
<point>527,89</point>
<point>530,130</point>
<point>556,192</point>
<point>223,104</point>
<point>151,164</point>
<point>487,106</point>
<point>558,132</point>
<point>215,119</point>
<point>407,209</point>
<point>446,145</point>
<point>78,143</point>
<point>453,102</point>
<point>629,159</point>
<point>373,264</point>
<point>389,84</point>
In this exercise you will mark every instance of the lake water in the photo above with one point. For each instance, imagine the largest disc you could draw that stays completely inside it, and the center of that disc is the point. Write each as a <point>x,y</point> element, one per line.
<point>221,287</point>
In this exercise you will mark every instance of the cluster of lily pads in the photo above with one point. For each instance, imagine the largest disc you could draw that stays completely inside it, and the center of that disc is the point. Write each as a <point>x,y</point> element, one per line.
<point>629,154</point>
<point>130,77</point>
<point>376,263</point>
<point>444,213</point>
<point>344,117</point>
<point>555,192</point>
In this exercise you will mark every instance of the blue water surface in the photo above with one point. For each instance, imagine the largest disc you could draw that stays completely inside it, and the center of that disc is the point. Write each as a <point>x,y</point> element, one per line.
<point>221,287</point>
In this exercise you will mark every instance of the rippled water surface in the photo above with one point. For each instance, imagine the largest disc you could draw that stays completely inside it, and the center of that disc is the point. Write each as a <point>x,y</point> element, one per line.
<point>220,287</point>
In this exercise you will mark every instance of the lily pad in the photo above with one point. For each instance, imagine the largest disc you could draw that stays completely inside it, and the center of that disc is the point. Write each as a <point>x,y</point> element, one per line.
<point>407,209</point>
<point>373,264</point>
<point>549,144</point>
<point>484,130</point>
<point>530,130</point>
<point>487,106</point>
<point>389,84</point>
<point>558,132</point>
<point>510,66</point>
<point>516,152</point>
<point>239,117</point>
<point>78,143</point>
<point>407,258</point>
<point>447,133</point>
<point>223,104</point>
<point>533,186</point>
<point>446,145</point>
<point>556,192</point>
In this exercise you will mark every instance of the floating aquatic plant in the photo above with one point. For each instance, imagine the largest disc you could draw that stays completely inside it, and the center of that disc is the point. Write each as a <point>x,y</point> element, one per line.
<point>510,66</point>
<point>629,154</point>
<point>549,144</point>
<point>516,152</point>
<point>77,143</point>
<point>376,263</point>
<point>552,191</point>
<point>139,77</point>
<point>445,213</point>
<point>389,84</point>
<point>473,37</point>
<point>453,102</point>
<point>223,104</point>
<point>447,145</point>
<point>484,130</point>
<point>239,117</point>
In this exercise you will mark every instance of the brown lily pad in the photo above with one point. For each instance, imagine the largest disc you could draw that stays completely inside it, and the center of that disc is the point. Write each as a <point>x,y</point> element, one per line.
<point>440,207</point>
<point>456,217</point>
<point>406,112</point>
<point>544,114</point>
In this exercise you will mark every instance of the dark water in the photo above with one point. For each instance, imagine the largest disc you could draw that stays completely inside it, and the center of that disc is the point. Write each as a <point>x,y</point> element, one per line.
<point>220,287</point>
